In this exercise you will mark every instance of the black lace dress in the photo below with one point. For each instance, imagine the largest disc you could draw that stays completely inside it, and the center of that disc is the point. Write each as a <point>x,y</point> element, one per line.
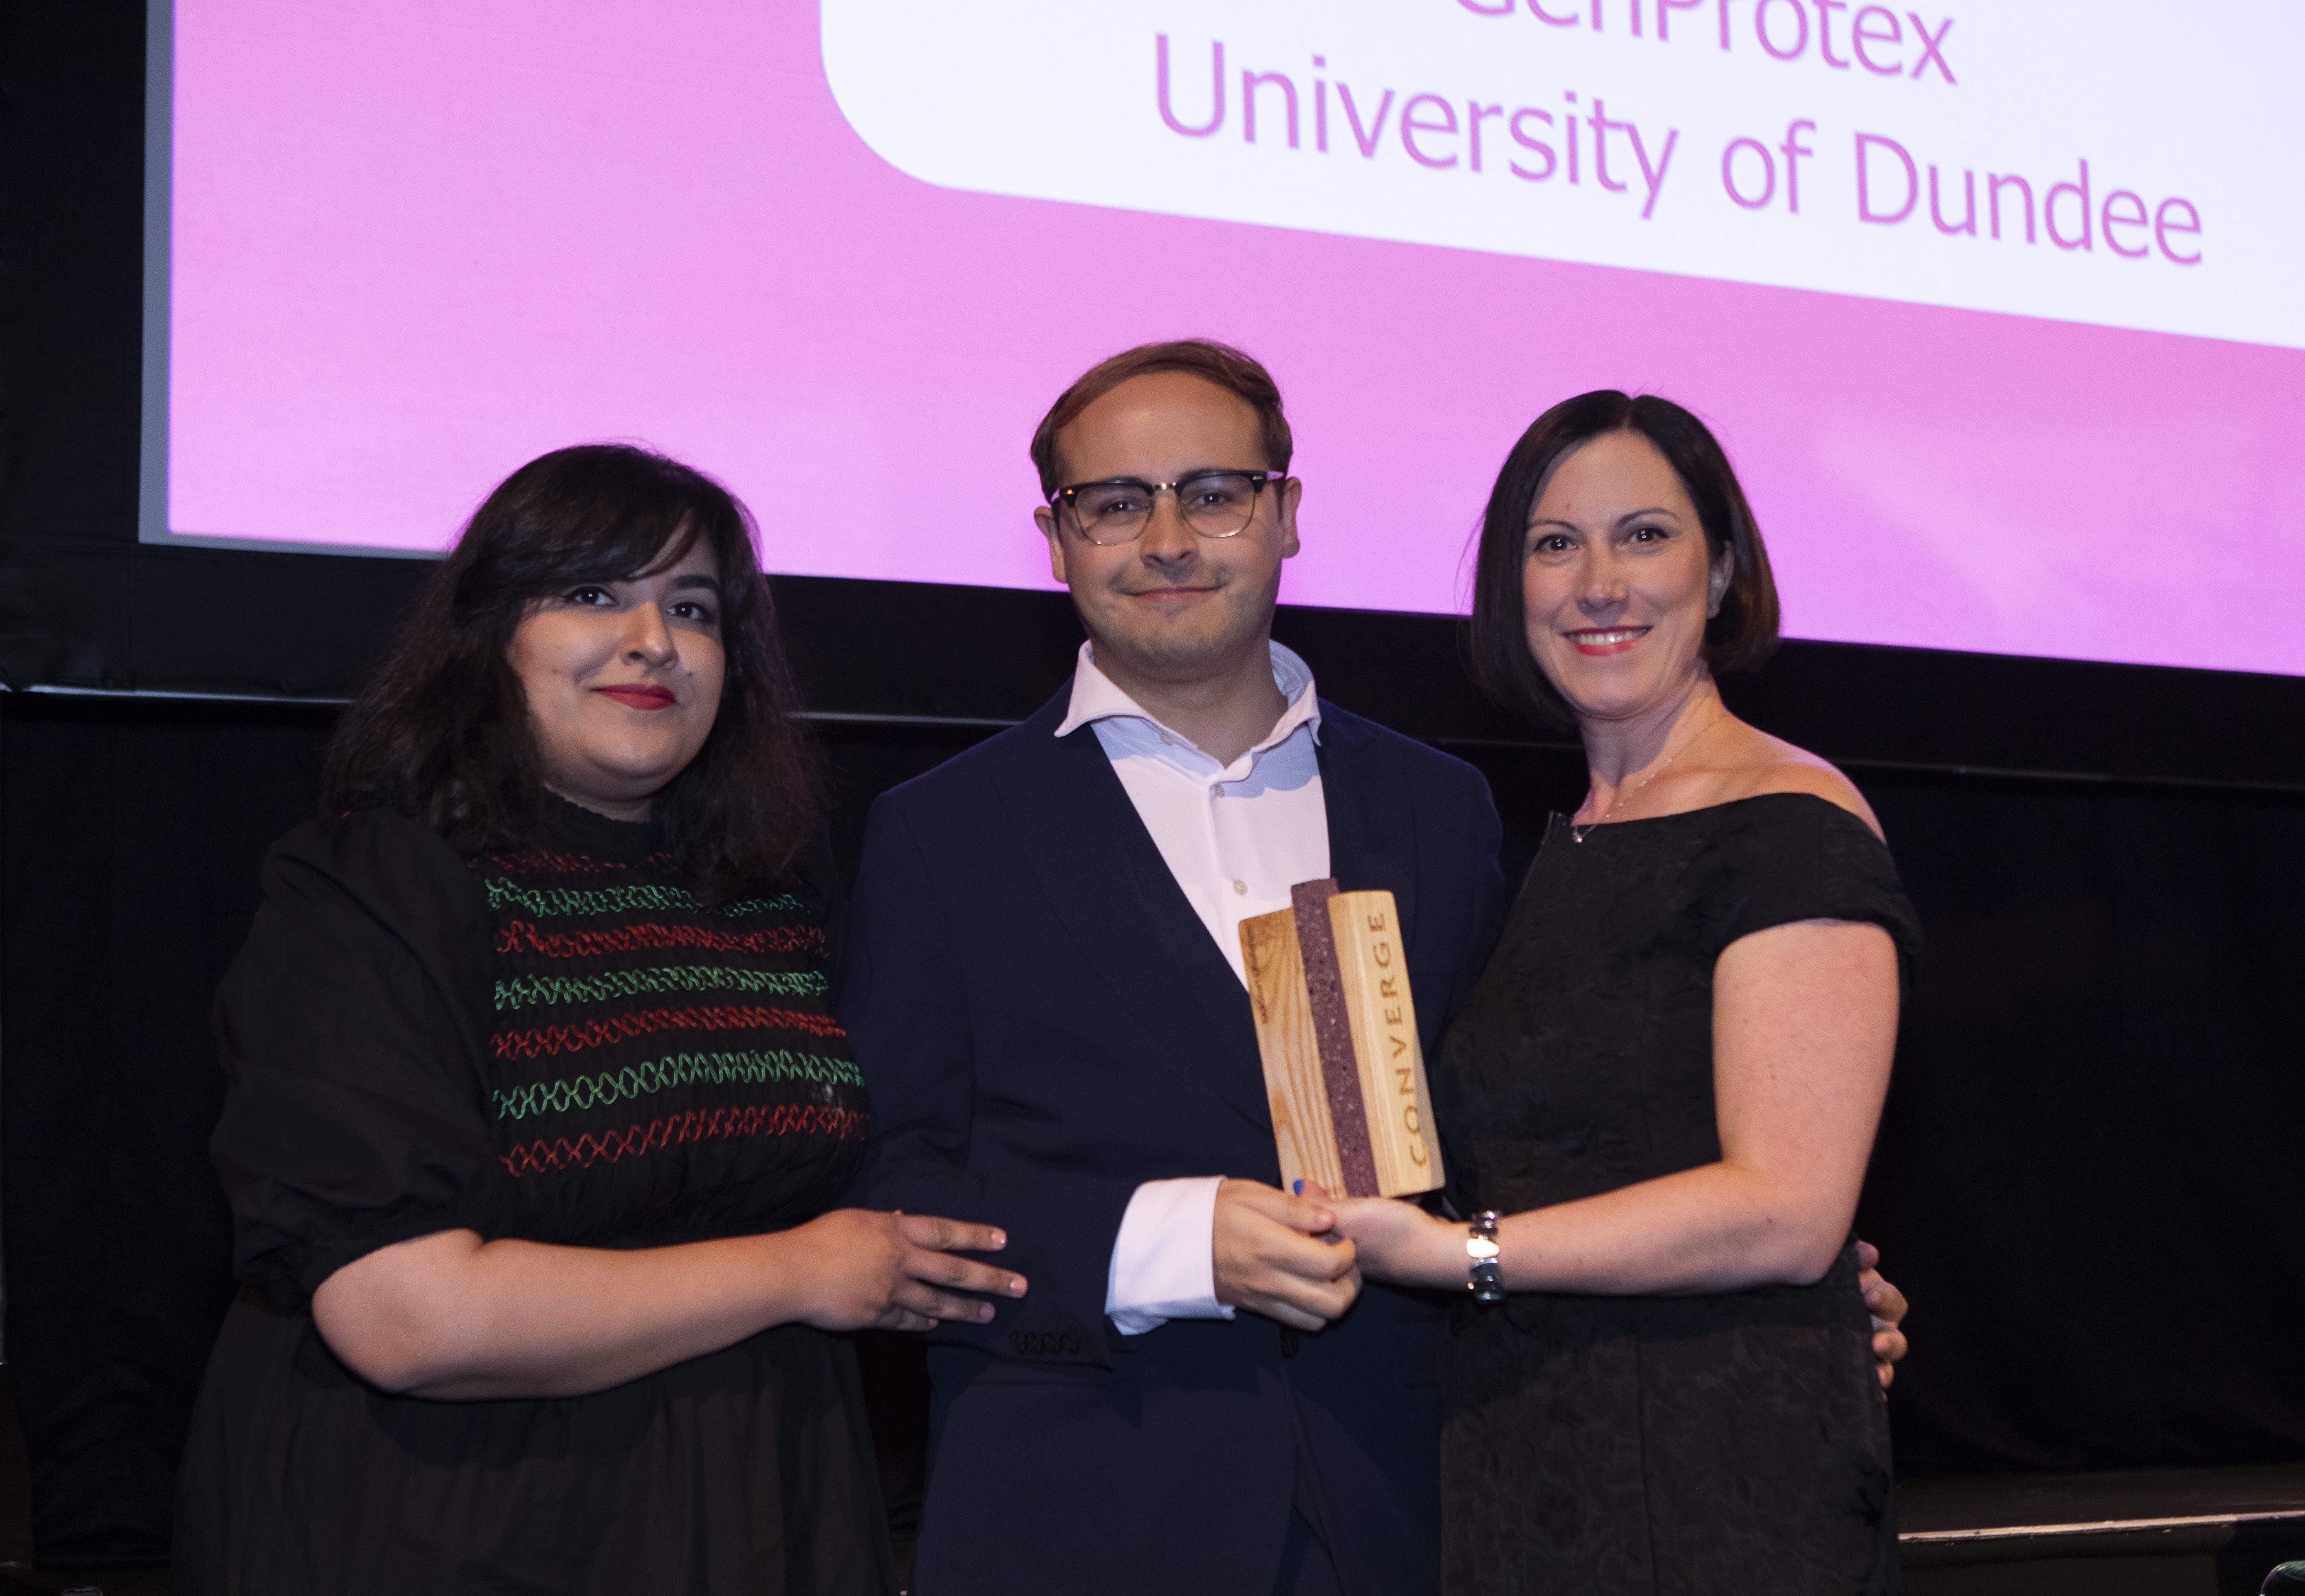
<point>1737,1442</point>
<point>561,1046</point>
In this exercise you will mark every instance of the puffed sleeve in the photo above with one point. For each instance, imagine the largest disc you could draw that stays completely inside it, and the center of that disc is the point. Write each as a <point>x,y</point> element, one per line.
<point>351,1028</point>
<point>1793,856</point>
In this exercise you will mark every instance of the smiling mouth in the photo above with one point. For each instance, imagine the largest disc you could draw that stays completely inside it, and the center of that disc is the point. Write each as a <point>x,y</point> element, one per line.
<point>1606,640</point>
<point>636,696</point>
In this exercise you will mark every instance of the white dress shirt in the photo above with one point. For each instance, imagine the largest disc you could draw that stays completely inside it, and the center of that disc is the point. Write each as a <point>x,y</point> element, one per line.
<point>1236,837</point>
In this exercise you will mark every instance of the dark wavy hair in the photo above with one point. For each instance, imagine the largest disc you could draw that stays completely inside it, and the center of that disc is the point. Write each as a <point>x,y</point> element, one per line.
<point>441,731</point>
<point>1739,638</point>
<point>1238,374</point>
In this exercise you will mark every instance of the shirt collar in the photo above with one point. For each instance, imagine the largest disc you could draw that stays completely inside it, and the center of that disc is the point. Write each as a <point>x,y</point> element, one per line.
<point>1096,697</point>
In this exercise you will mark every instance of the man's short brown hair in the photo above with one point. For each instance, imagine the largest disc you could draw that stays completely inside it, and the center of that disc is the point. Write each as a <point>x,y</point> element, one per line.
<point>1219,363</point>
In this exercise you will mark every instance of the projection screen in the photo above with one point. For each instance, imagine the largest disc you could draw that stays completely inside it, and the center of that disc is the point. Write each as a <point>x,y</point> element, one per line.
<point>1996,306</point>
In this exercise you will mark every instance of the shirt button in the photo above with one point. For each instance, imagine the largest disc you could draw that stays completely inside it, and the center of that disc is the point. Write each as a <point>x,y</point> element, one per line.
<point>1241,887</point>
<point>1167,741</point>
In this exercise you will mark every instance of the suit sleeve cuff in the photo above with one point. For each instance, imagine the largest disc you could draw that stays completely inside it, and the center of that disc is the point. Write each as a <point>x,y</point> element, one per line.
<point>1163,1264</point>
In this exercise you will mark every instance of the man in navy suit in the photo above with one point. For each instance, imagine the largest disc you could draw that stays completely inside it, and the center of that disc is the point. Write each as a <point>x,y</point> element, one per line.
<point>1044,993</point>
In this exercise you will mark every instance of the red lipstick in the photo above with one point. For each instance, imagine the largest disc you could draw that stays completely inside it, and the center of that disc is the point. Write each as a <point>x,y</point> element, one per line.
<point>636,695</point>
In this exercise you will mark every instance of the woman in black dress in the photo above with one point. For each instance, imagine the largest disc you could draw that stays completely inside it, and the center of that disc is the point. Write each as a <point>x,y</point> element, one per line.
<point>1668,1078</point>
<point>538,1113</point>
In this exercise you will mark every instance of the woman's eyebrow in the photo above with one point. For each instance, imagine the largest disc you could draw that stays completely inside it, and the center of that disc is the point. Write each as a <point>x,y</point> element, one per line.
<point>1535,522</point>
<point>695,580</point>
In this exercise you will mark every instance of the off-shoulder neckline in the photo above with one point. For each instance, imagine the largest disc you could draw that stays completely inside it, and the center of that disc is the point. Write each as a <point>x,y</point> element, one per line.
<point>1561,822</point>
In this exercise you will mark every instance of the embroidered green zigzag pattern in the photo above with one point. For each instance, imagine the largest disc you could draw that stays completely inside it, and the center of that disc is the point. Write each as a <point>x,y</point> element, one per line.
<point>631,983</point>
<point>682,1069</point>
<point>617,899</point>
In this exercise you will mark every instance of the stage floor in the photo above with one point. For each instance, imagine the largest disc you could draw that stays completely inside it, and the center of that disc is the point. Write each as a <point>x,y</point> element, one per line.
<point>2212,1532</point>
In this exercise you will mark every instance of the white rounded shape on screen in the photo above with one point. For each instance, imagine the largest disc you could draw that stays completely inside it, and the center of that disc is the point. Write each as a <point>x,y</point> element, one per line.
<point>2102,161</point>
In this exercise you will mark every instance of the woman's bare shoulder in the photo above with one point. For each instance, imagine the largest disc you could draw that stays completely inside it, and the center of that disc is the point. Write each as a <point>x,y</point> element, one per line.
<point>1775,766</point>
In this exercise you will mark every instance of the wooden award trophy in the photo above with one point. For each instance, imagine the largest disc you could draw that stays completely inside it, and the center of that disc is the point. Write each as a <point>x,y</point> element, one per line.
<point>1328,979</point>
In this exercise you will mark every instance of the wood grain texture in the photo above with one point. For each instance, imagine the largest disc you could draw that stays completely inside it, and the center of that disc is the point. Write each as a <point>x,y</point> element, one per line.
<point>1373,969</point>
<point>1293,1081</point>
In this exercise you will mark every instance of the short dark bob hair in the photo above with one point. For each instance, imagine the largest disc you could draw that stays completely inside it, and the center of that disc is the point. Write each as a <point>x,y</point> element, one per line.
<point>1739,638</point>
<point>1237,373</point>
<point>441,732</point>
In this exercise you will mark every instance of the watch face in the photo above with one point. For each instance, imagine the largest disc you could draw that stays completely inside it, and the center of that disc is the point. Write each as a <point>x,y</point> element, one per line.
<point>1480,1247</point>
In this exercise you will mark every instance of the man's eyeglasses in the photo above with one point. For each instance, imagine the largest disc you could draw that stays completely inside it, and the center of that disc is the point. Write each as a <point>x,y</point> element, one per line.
<point>1213,503</point>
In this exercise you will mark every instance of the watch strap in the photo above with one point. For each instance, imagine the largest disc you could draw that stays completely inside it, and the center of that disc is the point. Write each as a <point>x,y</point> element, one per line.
<point>1485,1267</point>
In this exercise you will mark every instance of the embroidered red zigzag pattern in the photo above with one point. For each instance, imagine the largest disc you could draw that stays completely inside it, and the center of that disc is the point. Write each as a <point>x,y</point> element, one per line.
<point>596,1033</point>
<point>519,934</point>
<point>699,1124</point>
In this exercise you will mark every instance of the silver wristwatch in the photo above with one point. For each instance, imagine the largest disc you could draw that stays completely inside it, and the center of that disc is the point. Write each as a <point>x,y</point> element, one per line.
<point>1487,1274</point>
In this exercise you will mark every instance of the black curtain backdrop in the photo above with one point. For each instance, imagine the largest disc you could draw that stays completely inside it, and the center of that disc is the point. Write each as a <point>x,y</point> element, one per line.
<point>2086,1180</point>
<point>126,839</point>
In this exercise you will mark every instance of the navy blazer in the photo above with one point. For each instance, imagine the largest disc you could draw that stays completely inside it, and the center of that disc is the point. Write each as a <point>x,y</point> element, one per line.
<point>1045,1023</point>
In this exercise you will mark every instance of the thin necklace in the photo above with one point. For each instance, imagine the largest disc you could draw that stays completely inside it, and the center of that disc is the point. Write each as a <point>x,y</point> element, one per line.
<point>1578,834</point>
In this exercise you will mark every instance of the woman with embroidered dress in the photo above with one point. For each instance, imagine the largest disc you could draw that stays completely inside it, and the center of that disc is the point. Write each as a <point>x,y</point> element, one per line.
<point>538,1114</point>
<point>1667,1079</point>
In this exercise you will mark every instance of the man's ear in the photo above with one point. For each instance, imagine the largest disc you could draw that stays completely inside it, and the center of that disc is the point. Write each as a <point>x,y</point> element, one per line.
<point>1046,520</point>
<point>1291,492</point>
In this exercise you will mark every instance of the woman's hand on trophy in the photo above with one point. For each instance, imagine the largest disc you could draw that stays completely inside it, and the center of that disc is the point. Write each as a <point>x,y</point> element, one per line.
<point>1400,1243</point>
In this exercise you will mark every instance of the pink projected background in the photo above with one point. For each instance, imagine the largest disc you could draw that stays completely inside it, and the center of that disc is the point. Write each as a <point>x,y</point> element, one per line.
<point>413,247</point>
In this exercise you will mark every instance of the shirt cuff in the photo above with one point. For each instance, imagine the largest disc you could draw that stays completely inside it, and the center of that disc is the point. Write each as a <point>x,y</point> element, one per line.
<point>1163,1263</point>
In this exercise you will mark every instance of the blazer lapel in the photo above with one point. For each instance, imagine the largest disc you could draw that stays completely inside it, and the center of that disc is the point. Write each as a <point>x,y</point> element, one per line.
<point>1103,875</point>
